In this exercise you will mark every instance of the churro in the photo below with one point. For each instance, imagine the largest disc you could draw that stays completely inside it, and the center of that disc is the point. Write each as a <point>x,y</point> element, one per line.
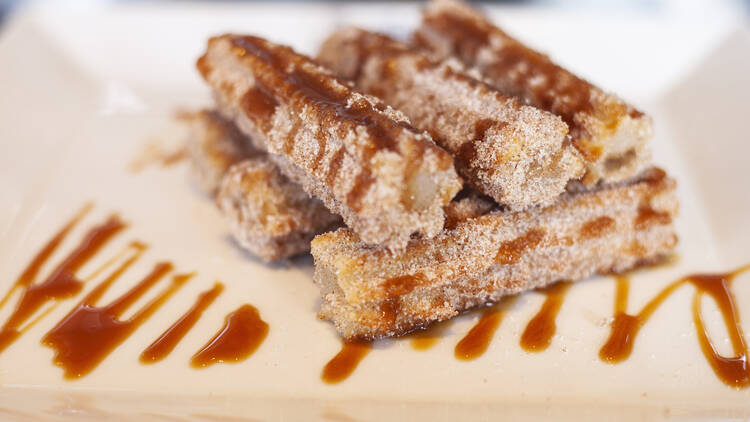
<point>610,134</point>
<point>371,292</point>
<point>363,159</point>
<point>214,144</point>
<point>514,153</point>
<point>269,215</point>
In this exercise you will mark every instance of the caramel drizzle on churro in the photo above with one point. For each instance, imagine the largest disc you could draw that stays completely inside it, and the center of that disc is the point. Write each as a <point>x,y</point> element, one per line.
<point>519,71</point>
<point>559,92</point>
<point>286,77</point>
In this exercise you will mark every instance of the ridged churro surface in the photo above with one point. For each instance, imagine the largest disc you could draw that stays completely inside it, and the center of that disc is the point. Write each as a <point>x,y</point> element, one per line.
<point>363,159</point>
<point>610,134</point>
<point>371,292</point>
<point>512,152</point>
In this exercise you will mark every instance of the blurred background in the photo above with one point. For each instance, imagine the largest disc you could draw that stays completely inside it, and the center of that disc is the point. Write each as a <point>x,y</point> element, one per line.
<point>676,8</point>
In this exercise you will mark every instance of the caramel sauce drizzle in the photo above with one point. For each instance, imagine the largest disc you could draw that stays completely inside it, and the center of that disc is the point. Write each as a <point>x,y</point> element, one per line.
<point>539,331</point>
<point>425,339</point>
<point>733,371</point>
<point>400,285</point>
<point>260,105</point>
<point>155,154</point>
<point>30,272</point>
<point>163,346</point>
<point>62,282</point>
<point>597,227</point>
<point>478,339</point>
<point>647,216</point>
<point>174,157</point>
<point>88,334</point>
<point>511,251</point>
<point>135,246</point>
<point>345,362</point>
<point>242,334</point>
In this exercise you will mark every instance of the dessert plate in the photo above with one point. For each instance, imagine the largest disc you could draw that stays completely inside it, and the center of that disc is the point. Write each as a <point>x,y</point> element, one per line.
<point>86,117</point>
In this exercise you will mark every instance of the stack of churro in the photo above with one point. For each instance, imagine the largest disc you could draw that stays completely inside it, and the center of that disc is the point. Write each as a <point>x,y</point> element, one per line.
<point>270,216</point>
<point>378,136</point>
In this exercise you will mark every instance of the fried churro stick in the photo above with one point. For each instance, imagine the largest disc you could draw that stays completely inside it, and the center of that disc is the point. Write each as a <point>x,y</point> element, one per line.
<point>610,134</point>
<point>514,153</point>
<point>270,216</point>
<point>370,292</point>
<point>363,159</point>
<point>214,144</point>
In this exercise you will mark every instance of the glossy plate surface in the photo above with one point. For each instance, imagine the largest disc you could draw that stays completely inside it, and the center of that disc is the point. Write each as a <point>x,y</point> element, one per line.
<point>85,91</point>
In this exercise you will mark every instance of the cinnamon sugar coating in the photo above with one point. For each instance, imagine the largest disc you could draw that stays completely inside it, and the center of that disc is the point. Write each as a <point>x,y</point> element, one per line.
<point>371,292</point>
<point>270,216</point>
<point>512,152</point>
<point>363,159</point>
<point>610,134</point>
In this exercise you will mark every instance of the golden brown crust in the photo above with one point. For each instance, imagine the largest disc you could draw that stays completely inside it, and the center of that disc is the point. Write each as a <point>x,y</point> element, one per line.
<point>361,158</point>
<point>370,292</point>
<point>610,134</point>
<point>512,152</point>
<point>269,215</point>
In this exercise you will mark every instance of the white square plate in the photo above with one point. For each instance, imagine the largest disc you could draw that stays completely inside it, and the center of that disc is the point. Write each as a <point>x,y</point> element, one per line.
<point>83,90</point>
